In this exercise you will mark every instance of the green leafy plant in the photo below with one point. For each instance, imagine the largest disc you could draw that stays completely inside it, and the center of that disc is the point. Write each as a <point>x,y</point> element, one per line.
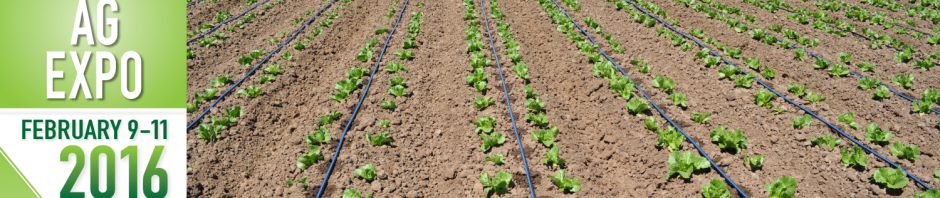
<point>381,31</point>
<point>219,81</point>
<point>209,131</point>
<point>495,158</point>
<point>495,185</point>
<point>845,57</point>
<point>820,64</point>
<point>769,73</point>
<point>802,121</point>
<point>838,70</point>
<point>538,119</point>
<point>274,69</point>
<point>711,61</point>
<point>923,107</point>
<point>874,133</point>
<point>848,118</point>
<point>364,54</point>
<point>745,81</point>
<point>784,187</point>
<point>684,164</point>
<point>669,138</point>
<point>815,98</point>
<point>620,85</point>
<point>753,63</point>
<point>482,102</point>
<point>367,172</point>
<point>491,140</point>
<point>637,106</point>
<point>546,137</point>
<point>650,123</point>
<point>931,95</point>
<point>552,157</point>
<point>904,56</point>
<point>521,69</point>
<point>398,91</point>
<point>378,139</point>
<point>728,72</point>
<point>318,137</point>
<point>932,193</point>
<point>800,54</point>
<point>756,161</point>
<point>534,104</point>
<point>404,54</point>
<point>388,105</point>
<point>384,123</point>
<point>352,193</point>
<point>252,91</point>
<point>664,82</point>
<point>733,52</point>
<point>797,89</point>
<point>701,117</point>
<point>729,140</point>
<point>311,157</point>
<point>856,158</point>
<point>485,124</point>
<point>604,69</point>
<point>866,66</point>
<point>678,99</point>
<point>903,81</point>
<point>890,178</point>
<point>715,189</point>
<point>764,98</point>
<point>868,83</point>
<point>570,185</point>
<point>909,152</point>
<point>395,67</point>
<point>827,140</point>
<point>529,92</point>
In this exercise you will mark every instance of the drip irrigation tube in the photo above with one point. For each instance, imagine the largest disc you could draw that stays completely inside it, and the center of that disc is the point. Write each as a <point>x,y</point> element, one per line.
<point>850,71</point>
<point>788,100</point>
<point>339,147</point>
<point>252,71</point>
<point>508,104</point>
<point>699,148</point>
<point>239,16</point>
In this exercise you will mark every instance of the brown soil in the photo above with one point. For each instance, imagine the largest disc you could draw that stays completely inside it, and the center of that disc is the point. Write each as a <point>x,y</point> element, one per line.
<point>436,153</point>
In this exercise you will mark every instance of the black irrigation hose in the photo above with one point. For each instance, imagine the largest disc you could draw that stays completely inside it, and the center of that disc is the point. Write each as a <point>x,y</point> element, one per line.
<point>342,138</point>
<point>790,101</point>
<point>508,104</point>
<point>193,123</point>
<point>236,17</point>
<point>657,107</point>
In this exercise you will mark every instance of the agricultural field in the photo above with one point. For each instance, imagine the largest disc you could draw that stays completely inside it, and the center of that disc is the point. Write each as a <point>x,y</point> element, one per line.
<point>563,98</point>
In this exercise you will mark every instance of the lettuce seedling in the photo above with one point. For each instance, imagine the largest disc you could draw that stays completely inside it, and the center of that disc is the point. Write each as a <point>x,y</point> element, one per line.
<point>815,98</point>
<point>848,118</point>
<point>546,137</point>
<point>827,140</point>
<point>491,140</point>
<point>397,91</point>
<point>800,122</point>
<point>245,60</point>
<point>701,117</point>
<point>485,124</point>
<point>274,69</point>
<point>838,70</point>
<point>637,106</point>
<point>381,31</point>
<point>727,72</point>
<point>317,32</point>
<point>495,158</point>
<point>521,69</point>
<point>252,91</point>
<point>770,39</point>
<point>729,140</point>
<point>287,56</point>
<point>474,45</point>
<point>650,123</point>
<point>604,69</point>
<point>219,81</point>
<point>538,120</point>
<point>495,185</point>
<point>797,89</point>
<point>477,79</point>
<point>535,104</point>
<point>309,158</point>
<point>845,57</point>
<point>715,189</point>
<point>903,81</point>
<point>909,152</point>
<point>868,83</point>
<point>384,123</point>
<point>192,107</point>
<point>570,185</point>
<point>664,82</point>
<point>745,81</point>
<point>669,138</point>
<point>923,107</point>
<point>784,187</point>
<point>931,95</point>
<point>800,54</point>
<point>763,98</point>
<point>390,105</point>
<point>678,99</point>
<point>733,52</point>
<point>364,54</point>
<point>753,63</point>
<point>874,133</point>
<point>904,56</point>
<point>404,54</point>
<point>552,157</point>
<point>856,158</point>
<point>209,132</point>
<point>349,192</point>
<point>529,92</point>
<point>209,41</point>
<point>698,33</point>
<point>482,102</point>
<point>820,64</point>
<point>347,85</point>
<point>932,193</point>
<point>644,68</point>
<point>711,61</point>
<point>378,139</point>
<point>622,86</point>
<point>208,95</point>
<point>367,172</point>
<point>866,66</point>
<point>756,161</point>
<point>395,67</point>
<point>881,92</point>
<point>222,121</point>
<point>757,34</point>
<point>702,54</point>
<point>890,178</point>
<point>684,164</point>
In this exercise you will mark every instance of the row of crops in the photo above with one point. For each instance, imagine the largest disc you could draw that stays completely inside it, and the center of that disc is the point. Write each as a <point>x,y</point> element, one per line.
<point>717,53</point>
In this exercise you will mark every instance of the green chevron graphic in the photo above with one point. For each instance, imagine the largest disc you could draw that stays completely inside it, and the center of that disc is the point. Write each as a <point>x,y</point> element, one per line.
<point>12,181</point>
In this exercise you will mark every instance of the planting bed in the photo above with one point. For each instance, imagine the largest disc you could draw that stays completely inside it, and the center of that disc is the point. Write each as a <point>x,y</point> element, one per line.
<point>436,151</point>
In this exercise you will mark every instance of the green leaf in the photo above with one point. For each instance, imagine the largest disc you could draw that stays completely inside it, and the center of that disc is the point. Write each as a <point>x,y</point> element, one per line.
<point>745,81</point>
<point>622,86</point>
<point>733,52</point>
<point>274,69</point>
<point>552,157</point>
<point>395,67</point>
<point>797,89</point>
<point>800,122</point>
<point>848,118</point>
<point>378,139</point>
<point>252,91</point>
<point>727,72</point>
<point>329,118</point>
<point>890,178</point>
<point>565,184</point>
<point>637,106</point>
<point>529,92</point>
<point>669,138</point>
<point>367,172</point>
<point>715,189</point>
<point>388,105</point>
<point>491,140</point>
<point>753,63</point>
<point>306,159</point>
<point>909,152</point>
<point>495,185</point>
<point>546,137</point>
<point>535,104</point>
<point>684,164</point>
<point>874,133</point>
<point>521,69</point>
<point>932,193</point>
<point>701,117</point>
<point>678,99</point>
<point>866,66</point>
<point>764,98</point>
<point>397,91</point>
<point>384,123</point>
<point>650,123</point>
<point>827,140</point>
<point>482,102</point>
<point>856,158</point>
<point>784,187</point>
<point>664,82</point>
<point>729,140</point>
<point>815,98</point>
<point>495,158</point>
<point>219,81</point>
<point>364,54</point>
<point>756,161</point>
<point>538,120</point>
<point>820,64</point>
<point>485,124</point>
<point>868,83</point>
